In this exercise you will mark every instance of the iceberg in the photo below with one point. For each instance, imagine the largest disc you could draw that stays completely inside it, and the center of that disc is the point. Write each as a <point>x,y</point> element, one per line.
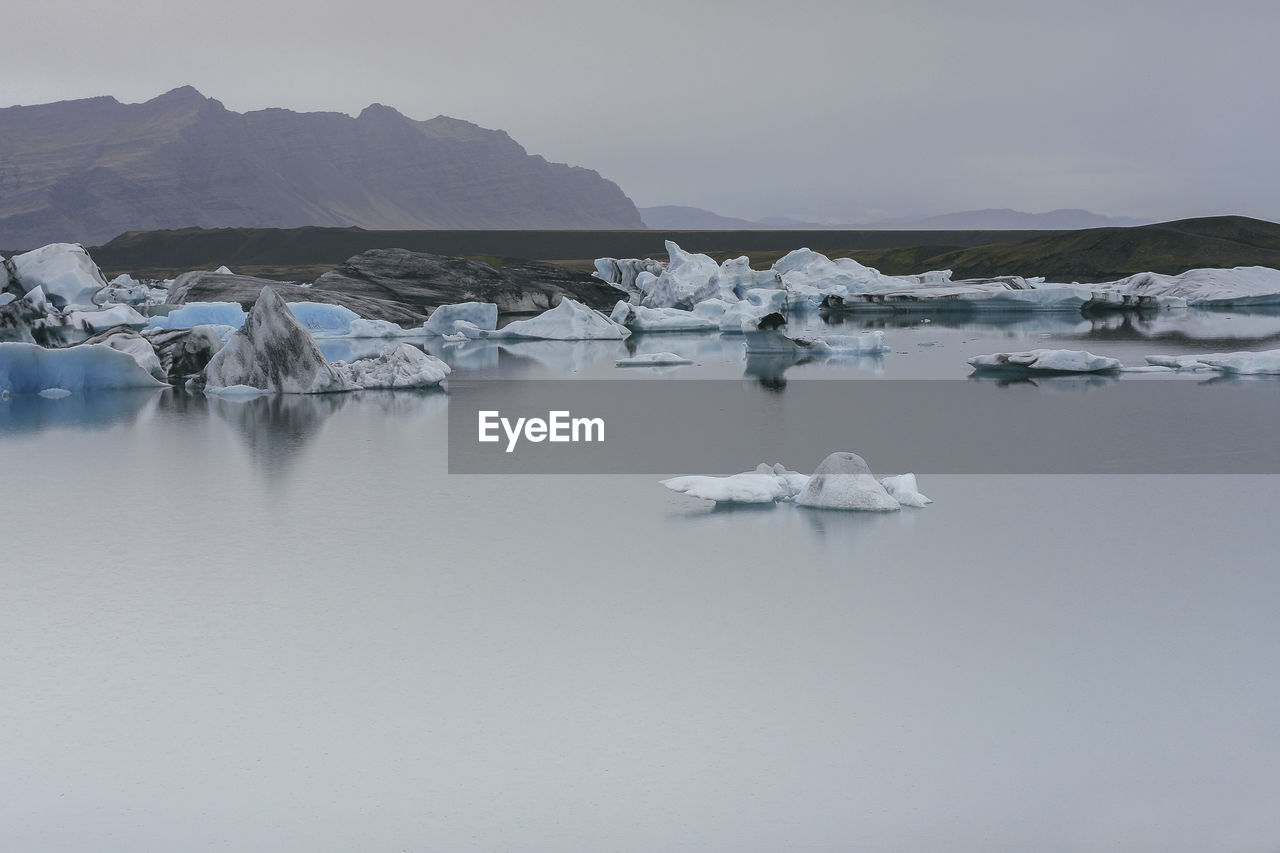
<point>1266,362</point>
<point>124,289</point>
<point>688,279</point>
<point>363,328</point>
<point>1239,287</point>
<point>1045,361</point>
<point>401,366</point>
<point>29,368</point>
<point>766,484</point>
<point>322,319</point>
<point>568,321</point>
<point>64,271</point>
<point>185,352</point>
<point>194,314</point>
<point>637,318</point>
<point>272,351</point>
<point>904,490</point>
<point>139,348</point>
<point>623,271</point>
<point>447,319</point>
<point>652,359</point>
<point>96,321</point>
<point>843,481</point>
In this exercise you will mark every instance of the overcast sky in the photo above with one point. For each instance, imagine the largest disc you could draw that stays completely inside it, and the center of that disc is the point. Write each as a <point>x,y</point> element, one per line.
<point>841,111</point>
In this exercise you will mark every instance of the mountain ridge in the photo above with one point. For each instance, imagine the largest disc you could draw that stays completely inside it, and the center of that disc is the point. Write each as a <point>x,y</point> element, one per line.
<point>90,169</point>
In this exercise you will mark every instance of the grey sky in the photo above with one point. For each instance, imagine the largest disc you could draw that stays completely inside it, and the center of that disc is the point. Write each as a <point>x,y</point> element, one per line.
<point>836,110</point>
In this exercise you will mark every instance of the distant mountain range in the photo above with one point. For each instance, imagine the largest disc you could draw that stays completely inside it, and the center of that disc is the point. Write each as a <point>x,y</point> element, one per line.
<point>88,170</point>
<point>678,218</point>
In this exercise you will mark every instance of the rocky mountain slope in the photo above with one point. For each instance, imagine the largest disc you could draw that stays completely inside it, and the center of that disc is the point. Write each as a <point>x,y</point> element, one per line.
<point>85,171</point>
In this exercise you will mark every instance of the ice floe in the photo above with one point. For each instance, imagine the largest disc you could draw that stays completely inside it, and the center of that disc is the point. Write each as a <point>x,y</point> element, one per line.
<point>1045,361</point>
<point>1266,362</point>
<point>766,484</point>
<point>568,321</point>
<point>402,366</point>
<point>652,359</point>
<point>637,318</point>
<point>1238,287</point>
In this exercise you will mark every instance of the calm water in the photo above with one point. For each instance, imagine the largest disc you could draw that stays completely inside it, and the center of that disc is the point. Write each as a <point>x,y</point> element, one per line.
<point>281,625</point>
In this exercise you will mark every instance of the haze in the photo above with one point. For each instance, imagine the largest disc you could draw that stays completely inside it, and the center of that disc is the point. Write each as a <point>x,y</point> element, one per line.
<point>832,111</point>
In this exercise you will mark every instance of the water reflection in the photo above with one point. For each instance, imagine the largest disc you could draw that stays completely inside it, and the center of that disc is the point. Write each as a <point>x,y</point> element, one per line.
<point>1062,382</point>
<point>562,356</point>
<point>22,413</point>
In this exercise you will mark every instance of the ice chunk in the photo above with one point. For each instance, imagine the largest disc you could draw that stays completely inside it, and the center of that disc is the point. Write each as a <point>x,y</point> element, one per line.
<point>843,481</point>
<point>402,366</point>
<point>362,328</point>
<point>637,318</point>
<point>54,393</point>
<point>904,490</point>
<point>28,368</point>
<point>747,488</point>
<point>223,270</point>
<point>446,319</point>
<point>1208,288</point>
<point>568,321</point>
<point>195,314</point>
<point>324,320</point>
<point>66,273</point>
<point>688,279</point>
<point>1250,363</point>
<point>128,341</point>
<point>272,351</point>
<point>1045,361</point>
<point>652,359</point>
<point>116,315</point>
<point>624,271</point>
<point>186,352</point>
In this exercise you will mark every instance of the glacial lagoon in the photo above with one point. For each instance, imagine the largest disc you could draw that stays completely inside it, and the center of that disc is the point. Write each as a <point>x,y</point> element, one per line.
<point>279,623</point>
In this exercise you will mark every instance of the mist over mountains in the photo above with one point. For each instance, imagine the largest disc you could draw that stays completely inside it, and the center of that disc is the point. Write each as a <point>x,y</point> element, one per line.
<point>88,170</point>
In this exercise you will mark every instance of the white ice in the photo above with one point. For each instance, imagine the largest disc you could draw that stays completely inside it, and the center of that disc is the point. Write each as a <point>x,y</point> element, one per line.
<point>568,321</point>
<point>65,272</point>
<point>1045,360</point>
<point>401,366</point>
<point>843,481</point>
<point>652,359</point>
<point>904,489</point>
<point>1266,362</point>
<point>116,315</point>
<point>1210,288</point>
<point>637,318</point>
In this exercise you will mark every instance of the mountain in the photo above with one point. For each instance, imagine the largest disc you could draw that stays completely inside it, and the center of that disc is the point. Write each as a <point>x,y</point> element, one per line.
<point>88,170</point>
<point>1000,218</point>
<point>678,218</point>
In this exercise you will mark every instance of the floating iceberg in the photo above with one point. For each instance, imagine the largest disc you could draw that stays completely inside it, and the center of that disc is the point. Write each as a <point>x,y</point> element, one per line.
<point>139,348</point>
<point>272,351</point>
<point>28,368</point>
<point>568,321</point>
<point>451,319</point>
<point>96,321</point>
<point>1207,288</point>
<point>402,366</point>
<point>324,320</point>
<point>637,318</point>
<point>1045,361</point>
<point>843,481</point>
<point>1263,363</point>
<point>363,328</point>
<point>652,359</point>
<point>766,484</point>
<point>195,314</point>
<point>65,272</point>
<point>904,489</point>
<point>688,279</point>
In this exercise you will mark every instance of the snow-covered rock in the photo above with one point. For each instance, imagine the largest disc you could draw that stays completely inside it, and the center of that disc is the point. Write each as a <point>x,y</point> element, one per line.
<point>637,318</point>
<point>272,351</point>
<point>195,314</point>
<point>1045,361</point>
<point>447,319</point>
<point>904,489</point>
<point>402,366</point>
<point>568,321</point>
<point>843,481</point>
<point>65,272</point>
<point>1208,288</point>
<point>28,368</point>
<point>652,359</point>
